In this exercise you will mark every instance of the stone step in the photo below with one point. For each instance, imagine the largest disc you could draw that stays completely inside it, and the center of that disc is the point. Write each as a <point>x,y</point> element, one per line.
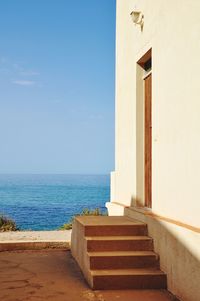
<point>122,260</point>
<point>119,243</point>
<point>111,226</point>
<point>116,253</point>
<point>128,279</point>
<point>116,230</point>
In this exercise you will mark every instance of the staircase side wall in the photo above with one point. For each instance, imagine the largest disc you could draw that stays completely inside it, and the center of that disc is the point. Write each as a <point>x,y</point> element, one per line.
<point>179,250</point>
<point>79,249</point>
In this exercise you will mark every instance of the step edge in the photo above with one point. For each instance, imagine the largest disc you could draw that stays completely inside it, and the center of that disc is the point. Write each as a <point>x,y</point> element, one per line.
<point>127,272</point>
<point>121,253</point>
<point>118,238</point>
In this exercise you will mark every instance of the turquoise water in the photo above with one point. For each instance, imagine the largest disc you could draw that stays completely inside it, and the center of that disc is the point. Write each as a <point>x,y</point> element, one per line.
<point>45,202</point>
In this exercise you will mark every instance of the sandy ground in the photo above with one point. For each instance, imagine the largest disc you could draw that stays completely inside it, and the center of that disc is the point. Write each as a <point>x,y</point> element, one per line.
<point>31,236</point>
<point>54,276</point>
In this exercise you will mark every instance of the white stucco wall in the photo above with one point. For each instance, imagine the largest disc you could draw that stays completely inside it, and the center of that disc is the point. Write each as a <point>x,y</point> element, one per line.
<point>172,29</point>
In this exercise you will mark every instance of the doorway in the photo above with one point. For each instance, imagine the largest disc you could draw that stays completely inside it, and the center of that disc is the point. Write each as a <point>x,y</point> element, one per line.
<point>144,129</point>
<point>148,140</point>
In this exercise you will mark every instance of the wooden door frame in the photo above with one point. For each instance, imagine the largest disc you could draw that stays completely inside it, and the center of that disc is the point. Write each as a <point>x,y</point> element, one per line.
<point>143,71</point>
<point>148,140</point>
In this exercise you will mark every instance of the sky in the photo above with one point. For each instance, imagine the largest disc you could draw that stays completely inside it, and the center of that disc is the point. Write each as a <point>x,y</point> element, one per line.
<point>57,65</point>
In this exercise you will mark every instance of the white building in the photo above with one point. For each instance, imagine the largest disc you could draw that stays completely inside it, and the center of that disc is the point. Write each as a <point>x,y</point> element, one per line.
<point>157,160</point>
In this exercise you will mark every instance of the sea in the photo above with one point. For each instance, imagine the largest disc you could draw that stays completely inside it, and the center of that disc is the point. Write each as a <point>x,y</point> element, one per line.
<point>46,202</point>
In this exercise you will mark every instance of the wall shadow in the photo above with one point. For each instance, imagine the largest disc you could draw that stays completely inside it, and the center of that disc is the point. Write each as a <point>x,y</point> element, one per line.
<point>179,250</point>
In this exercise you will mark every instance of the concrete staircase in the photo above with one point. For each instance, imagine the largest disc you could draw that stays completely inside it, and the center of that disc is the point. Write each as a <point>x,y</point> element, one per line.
<point>116,253</point>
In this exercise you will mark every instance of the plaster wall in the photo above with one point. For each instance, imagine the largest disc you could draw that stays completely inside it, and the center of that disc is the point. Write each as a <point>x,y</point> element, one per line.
<point>179,250</point>
<point>171,29</point>
<point>79,249</point>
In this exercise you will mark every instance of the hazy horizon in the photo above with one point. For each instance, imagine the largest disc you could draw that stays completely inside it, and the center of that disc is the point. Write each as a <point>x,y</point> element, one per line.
<point>68,174</point>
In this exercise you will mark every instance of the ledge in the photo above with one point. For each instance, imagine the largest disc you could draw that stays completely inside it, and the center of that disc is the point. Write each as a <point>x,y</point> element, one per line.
<point>34,240</point>
<point>150,213</point>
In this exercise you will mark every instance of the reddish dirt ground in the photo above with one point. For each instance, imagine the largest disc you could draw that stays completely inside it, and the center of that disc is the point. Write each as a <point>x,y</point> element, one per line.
<point>55,276</point>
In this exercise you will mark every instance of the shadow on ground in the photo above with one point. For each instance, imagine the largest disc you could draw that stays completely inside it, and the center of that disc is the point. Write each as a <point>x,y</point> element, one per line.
<point>54,275</point>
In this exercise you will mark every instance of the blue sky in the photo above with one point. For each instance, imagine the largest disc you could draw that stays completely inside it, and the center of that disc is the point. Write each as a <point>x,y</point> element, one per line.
<point>57,86</point>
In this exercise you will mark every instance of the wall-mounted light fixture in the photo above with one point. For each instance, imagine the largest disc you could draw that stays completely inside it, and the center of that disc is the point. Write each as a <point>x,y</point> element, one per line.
<point>137,18</point>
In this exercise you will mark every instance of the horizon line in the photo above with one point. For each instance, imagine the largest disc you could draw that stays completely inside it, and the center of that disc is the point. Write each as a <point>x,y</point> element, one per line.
<point>70,174</point>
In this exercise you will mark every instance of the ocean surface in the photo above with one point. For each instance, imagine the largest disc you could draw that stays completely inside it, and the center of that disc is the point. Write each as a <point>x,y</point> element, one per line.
<point>45,202</point>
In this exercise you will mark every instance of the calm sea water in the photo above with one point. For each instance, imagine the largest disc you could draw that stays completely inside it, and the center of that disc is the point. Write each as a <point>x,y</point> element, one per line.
<point>45,202</point>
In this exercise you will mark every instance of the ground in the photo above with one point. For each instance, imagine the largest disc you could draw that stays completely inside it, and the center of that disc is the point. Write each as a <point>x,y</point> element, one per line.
<point>54,275</point>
